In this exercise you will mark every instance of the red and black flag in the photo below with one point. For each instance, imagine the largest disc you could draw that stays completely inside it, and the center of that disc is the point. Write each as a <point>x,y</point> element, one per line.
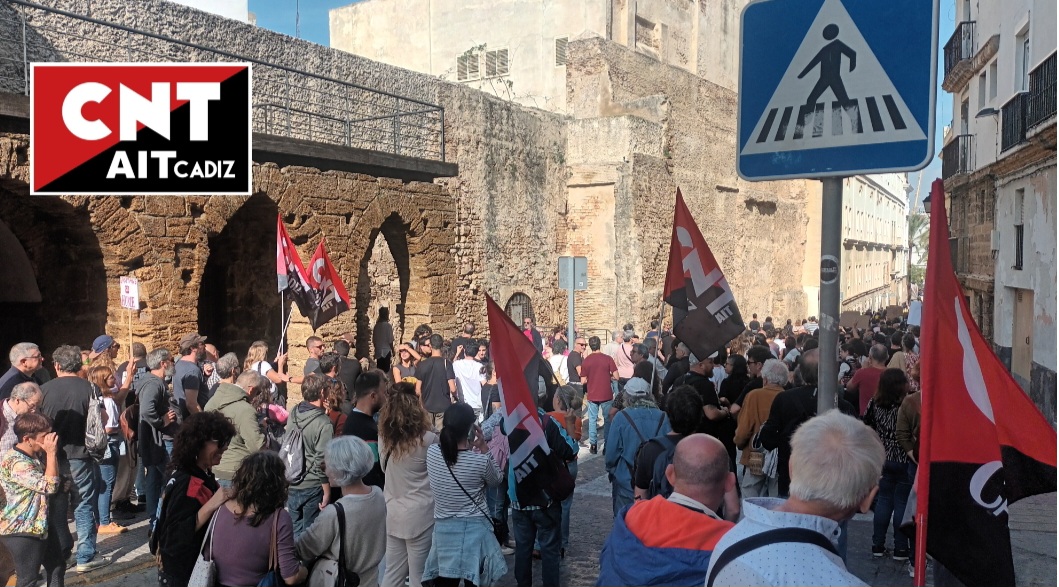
<point>984,444</point>
<point>331,298</point>
<point>705,316</point>
<point>517,362</point>
<point>290,273</point>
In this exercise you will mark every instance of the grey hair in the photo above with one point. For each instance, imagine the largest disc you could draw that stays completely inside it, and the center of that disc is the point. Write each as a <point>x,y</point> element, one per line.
<point>21,351</point>
<point>567,397</point>
<point>878,353</point>
<point>641,348</point>
<point>226,365</point>
<point>774,371</point>
<point>25,390</point>
<point>250,379</point>
<point>683,348</point>
<point>156,357</point>
<point>67,359</point>
<point>348,459</point>
<point>836,460</point>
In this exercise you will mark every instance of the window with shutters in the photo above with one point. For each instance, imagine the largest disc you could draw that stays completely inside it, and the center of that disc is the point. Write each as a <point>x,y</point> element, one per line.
<point>1020,219</point>
<point>467,67</point>
<point>560,51</point>
<point>496,63</point>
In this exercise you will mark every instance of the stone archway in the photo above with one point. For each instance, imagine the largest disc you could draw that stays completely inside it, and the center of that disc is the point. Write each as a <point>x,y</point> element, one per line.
<point>238,302</point>
<point>51,264</point>
<point>518,307</point>
<point>383,280</point>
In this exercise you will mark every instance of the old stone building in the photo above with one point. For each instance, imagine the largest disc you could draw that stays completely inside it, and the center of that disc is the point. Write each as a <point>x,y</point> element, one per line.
<point>482,200</point>
<point>999,166</point>
<point>523,54</point>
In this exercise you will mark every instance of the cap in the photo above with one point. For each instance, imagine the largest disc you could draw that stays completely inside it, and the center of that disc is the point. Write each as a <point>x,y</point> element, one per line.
<point>637,387</point>
<point>191,339</point>
<point>102,343</point>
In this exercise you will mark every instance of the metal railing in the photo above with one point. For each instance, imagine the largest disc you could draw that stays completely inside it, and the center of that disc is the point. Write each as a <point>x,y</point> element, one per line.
<point>287,102</point>
<point>1013,122</point>
<point>960,45</point>
<point>957,157</point>
<point>1041,101</point>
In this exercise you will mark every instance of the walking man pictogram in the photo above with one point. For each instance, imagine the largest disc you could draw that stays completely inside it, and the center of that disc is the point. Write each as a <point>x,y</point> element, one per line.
<point>830,60</point>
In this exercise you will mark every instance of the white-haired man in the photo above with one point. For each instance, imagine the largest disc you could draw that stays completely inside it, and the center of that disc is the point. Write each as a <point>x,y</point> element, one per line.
<point>835,465</point>
<point>26,359</point>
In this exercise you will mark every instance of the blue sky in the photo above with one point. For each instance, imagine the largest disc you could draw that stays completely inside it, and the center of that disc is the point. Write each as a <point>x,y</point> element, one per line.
<point>279,15</point>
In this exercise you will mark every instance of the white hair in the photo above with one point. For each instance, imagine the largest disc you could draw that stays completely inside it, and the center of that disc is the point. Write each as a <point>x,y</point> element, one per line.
<point>348,459</point>
<point>774,371</point>
<point>835,459</point>
<point>25,390</point>
<point>21,351</point>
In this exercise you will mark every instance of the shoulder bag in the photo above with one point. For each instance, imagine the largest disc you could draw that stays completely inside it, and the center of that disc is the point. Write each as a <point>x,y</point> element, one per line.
<point>272,578</point>
<point>498,529</point>
<point>333,573</point>
<point>204,574</point>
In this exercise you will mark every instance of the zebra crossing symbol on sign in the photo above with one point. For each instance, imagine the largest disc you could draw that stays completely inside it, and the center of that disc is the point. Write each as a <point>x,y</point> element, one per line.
<point>835,98</point>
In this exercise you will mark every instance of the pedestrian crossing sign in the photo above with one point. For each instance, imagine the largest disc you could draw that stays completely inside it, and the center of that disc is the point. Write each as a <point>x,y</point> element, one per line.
<point>836,87</point>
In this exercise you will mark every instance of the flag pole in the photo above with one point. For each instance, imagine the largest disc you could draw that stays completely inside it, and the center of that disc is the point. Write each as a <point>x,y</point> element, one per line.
<point>658,335</point>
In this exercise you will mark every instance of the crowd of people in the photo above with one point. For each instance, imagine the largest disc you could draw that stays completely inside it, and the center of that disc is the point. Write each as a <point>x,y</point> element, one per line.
<point>396,470</point>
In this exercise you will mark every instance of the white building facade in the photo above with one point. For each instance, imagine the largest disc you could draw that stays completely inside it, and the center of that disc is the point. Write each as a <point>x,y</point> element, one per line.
<point>874,241</point>
<point>516,49</point>
<point>1000,178</point>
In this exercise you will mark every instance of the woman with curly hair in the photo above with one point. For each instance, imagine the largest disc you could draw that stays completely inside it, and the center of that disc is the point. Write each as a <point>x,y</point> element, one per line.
<point>191,496</point>
<point>404,435</point>
<point>102,376</point>
<point>254,519</point>
<point>335,394</point>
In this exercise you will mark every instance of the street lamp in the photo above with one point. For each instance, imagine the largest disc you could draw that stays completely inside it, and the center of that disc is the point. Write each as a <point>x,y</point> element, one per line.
<point>926,204</point>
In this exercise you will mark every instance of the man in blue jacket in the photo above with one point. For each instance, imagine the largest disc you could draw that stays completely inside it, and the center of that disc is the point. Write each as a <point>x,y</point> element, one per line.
<point>640,420</point>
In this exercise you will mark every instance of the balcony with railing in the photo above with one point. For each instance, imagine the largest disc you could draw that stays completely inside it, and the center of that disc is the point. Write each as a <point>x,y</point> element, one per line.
<point>1040,104</point>
<point>1013,121</point>
<point>957,157</point>
<point>959,50</point>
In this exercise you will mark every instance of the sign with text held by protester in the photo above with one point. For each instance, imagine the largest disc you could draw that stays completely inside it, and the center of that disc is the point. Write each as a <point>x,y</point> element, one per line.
<point>516,361</point>
<point>130,292</point>
<point>290,273</point>
<point>984,443</point>
<point>140,128</point>
<point>330,296</point>
<point>705,316</point>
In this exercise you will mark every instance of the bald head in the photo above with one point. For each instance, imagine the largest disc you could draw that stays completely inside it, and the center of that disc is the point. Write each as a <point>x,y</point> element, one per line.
<point>700,470</point>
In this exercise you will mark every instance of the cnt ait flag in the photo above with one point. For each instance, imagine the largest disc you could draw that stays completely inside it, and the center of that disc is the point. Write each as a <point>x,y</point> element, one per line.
<point>705,316</point>
<point>290,273</point>
<point>331,298</point>
<point>984,444</point>
<point>516,361</point>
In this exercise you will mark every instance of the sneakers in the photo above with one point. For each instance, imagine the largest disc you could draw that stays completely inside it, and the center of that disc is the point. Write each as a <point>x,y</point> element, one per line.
<point>911,569</point>
<point>510,543</point>
<point>507,550</point>
<point>900,554</point>
<point>112,528</point>
<point>593,449</point>
<point>878,551</point>
<point>96,563</point>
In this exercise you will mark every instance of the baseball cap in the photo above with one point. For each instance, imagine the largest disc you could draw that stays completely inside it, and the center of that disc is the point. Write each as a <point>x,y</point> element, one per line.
<point>191,339</point>
<point>102,343</point>
<point>637,387</point>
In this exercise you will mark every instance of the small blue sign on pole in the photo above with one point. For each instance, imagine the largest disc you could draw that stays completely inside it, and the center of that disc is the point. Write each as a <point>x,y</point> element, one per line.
<point>833,88</point>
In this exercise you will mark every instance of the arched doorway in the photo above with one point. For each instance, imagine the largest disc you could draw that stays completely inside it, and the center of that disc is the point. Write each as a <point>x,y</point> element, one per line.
<point>53,284</point>
<point>238,301</point>
<point>519,307</point>
<point>383,281</point>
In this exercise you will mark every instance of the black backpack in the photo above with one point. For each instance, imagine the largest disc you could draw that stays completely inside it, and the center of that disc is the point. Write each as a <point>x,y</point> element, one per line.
<point>659,482</point>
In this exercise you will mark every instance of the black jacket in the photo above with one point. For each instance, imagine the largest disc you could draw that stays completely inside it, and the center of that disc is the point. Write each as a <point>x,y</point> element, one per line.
<point>175,538</point>
<point>152,431</point>
<point>789,410</point>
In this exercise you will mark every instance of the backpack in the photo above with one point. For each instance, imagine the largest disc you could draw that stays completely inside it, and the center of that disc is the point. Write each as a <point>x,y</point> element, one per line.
<point>130,421</point>
<point>292,451</point>
<point>659,483</point>
<point>96,438</point>
<point>640,436</point>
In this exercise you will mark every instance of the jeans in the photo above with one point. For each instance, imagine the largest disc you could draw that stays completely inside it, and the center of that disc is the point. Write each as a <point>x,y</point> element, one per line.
<point>60,541</point>
<point>894,486</point>
<point>108,473</point>
<point>154,476</point>
<point>496,502</point>
<point>304,506</point>
<point>141,482</point>
<point>566,503</point>
<point>529,526</point>
<point>594,409</point>
<point>86,514</point>
<point>758,485</point>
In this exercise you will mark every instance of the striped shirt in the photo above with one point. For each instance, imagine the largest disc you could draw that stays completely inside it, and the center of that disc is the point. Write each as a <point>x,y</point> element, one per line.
<point>884,422</point>
<point>474,471</point>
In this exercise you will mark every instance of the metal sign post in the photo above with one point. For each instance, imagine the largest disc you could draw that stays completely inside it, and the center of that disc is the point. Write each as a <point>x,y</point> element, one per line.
<point>830,272</point>
<point>573,276</point>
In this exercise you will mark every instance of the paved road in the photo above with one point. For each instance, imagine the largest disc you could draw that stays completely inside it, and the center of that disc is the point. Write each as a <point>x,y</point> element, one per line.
<point>1033,523</point>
